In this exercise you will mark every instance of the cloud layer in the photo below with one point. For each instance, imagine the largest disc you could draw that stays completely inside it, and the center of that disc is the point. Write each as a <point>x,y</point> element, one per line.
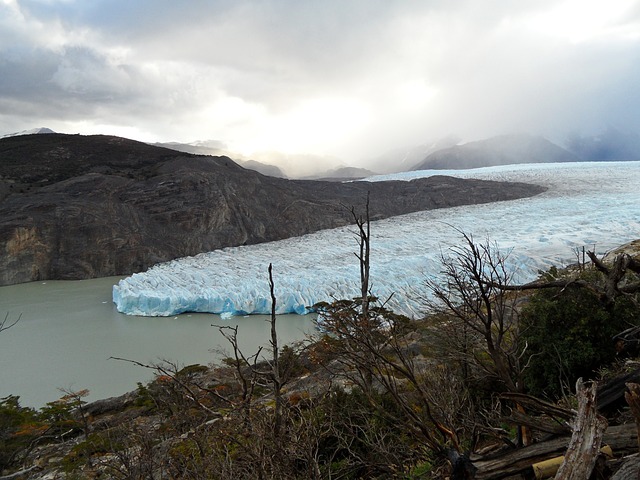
<point>350,79</point>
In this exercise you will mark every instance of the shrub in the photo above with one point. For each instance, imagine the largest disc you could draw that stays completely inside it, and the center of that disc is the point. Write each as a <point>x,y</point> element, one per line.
<point>569,334</point>
<point>18,428</point>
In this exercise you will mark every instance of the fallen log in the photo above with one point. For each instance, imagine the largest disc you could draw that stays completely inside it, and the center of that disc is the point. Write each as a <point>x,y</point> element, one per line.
<point>534,404</point>
<point>622,439</point>
<point>546,425</point>
<point>549,468</point>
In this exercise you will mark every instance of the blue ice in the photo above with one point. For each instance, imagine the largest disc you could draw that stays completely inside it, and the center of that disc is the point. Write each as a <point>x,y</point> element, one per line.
<point>540,232</point>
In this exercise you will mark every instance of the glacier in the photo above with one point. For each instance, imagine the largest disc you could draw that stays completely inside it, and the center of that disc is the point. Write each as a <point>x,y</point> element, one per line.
<point>596,205</point>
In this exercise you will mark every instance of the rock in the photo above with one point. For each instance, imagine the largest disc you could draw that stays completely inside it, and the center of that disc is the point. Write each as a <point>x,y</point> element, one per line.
<point>93,206</point>
<point>632,249</point>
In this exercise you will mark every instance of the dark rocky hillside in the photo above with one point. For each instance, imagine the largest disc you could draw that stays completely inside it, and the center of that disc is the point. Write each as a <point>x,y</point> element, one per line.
<point>502,150</point>
<point>75,207</point>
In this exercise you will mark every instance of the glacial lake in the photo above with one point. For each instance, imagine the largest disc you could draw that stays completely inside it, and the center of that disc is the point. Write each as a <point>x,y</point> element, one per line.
<point>69,330</point>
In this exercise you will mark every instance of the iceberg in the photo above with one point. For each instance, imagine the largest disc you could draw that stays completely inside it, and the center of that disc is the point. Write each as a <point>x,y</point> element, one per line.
<point>595,205</point>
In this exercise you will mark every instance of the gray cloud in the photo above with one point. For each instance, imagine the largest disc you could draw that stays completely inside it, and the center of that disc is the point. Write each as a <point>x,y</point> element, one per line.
<point>348,79</point>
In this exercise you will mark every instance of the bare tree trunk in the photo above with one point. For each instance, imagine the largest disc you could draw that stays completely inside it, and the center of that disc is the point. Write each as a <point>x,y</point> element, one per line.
<point>364,235</point>
<point>588,429</point>
<point>275,364</point>
<point>364,239</point>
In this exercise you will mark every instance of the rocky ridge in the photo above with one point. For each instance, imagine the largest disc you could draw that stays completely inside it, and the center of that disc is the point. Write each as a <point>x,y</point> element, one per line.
<point>74,207</point>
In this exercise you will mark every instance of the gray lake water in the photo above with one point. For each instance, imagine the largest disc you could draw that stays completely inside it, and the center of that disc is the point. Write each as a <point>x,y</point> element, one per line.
<point>70,329</point>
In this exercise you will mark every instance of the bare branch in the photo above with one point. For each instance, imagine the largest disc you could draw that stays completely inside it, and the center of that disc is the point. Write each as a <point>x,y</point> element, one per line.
<point>6,324</point>
<point>191,394</point>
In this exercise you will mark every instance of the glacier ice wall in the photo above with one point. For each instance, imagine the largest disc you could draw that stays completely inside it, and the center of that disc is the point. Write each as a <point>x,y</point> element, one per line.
<point>596,205</point>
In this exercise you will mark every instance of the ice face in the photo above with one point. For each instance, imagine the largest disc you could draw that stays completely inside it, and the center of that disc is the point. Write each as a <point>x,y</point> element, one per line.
<point>595,205</point>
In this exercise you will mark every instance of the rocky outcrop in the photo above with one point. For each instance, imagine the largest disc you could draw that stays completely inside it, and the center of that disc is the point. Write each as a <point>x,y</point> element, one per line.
<point>75,207</point>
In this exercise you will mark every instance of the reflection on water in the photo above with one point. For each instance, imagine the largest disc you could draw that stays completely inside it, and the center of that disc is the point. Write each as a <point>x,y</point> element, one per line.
<point>69,329</point>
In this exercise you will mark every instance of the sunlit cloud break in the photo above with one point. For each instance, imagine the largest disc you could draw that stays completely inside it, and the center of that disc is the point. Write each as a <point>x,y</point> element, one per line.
<point>349,80</point>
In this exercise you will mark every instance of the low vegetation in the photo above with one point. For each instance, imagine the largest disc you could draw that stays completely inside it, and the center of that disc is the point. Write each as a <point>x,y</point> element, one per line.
<point>490,368</point>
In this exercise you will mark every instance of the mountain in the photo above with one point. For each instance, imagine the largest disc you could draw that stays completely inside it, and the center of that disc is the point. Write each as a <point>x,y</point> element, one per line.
<point>218,149</point>
<point>611,144</point>
<point>403,159</point>
<point>263,168</point>
<point>501,150</point>
<point>33,131</point>
<point>75,206</point>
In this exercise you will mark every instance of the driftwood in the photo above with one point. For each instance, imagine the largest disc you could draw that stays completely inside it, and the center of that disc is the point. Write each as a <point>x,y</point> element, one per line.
<point>622,439</point>
<point>588,428</point>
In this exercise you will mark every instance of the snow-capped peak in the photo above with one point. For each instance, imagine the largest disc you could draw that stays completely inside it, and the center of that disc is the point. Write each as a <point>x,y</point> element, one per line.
<point>33,131</point>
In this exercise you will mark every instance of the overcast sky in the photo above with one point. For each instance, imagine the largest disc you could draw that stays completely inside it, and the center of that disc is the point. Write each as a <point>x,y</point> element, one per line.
<point>347,78</point>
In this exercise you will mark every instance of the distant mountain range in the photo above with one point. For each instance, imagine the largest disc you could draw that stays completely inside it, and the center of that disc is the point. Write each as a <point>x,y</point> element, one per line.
<point>211,148</point>
<point>502,150</point>
<point>446,153</point>
<point>404,159</point>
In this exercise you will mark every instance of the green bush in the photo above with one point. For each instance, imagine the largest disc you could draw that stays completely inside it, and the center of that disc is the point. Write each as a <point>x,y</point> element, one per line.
<point>569,335</point>
<point>18,428</point>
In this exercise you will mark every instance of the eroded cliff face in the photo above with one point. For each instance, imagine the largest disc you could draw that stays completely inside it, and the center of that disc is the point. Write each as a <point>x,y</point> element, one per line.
<point>75,207</point>
<point>25,256</point>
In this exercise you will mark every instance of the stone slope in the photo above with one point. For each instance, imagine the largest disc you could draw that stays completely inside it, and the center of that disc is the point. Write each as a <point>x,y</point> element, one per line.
<point>75,207</point>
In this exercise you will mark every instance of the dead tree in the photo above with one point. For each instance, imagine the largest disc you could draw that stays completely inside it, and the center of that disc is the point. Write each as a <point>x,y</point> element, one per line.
<point>364,241</point>
<point>372,349</point>
<point>477,318</point>
<point>620,278</point>
<point>277,381</point>
<point>471,298</point>
<point>244,374</point>
<point>588,430</point>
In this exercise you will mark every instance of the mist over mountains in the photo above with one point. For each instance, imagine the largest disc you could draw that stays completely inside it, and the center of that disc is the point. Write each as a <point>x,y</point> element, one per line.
<point>502,150</point>
<point>215,148</point>
<point>611,144</point>
<point>449,152</point>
